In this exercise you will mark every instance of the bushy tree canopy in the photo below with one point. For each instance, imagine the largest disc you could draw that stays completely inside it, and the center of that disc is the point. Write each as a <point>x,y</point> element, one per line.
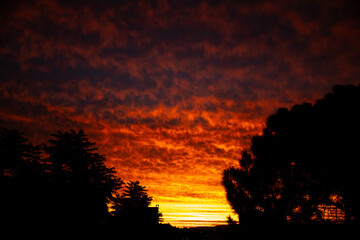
<point>305,161</point>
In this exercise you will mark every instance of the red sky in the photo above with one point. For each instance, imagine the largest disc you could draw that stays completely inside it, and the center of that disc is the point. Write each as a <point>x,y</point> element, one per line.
<point>171,91</point>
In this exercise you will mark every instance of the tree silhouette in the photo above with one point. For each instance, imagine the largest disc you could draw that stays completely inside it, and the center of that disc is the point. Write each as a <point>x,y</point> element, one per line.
<point>131,207</point>
<point>134,196</point>
<point>65,186</point>
<point>83,185</point>
<point>303,166</point>
<point>23,179</point>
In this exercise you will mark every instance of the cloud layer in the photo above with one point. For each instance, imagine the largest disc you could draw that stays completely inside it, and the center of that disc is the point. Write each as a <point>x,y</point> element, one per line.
<point>171,91</point>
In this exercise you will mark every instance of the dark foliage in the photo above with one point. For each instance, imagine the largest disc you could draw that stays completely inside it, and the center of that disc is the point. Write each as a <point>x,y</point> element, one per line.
<point>82,184</point>
<point>303,168</point>
<point>23,179</point>
<point>134,196</point>
<point>131,206</point>
<point>64,184</point>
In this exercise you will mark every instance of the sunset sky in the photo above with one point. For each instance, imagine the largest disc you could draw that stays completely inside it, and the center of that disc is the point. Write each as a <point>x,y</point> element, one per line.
<point>170,91</point>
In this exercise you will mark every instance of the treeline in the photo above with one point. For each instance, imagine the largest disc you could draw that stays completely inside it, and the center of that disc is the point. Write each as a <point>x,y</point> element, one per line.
<point>304,167</point>
<point>64,183</point>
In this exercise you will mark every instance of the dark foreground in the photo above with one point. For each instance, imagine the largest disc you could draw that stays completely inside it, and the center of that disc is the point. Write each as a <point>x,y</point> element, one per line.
<point>168,232</point>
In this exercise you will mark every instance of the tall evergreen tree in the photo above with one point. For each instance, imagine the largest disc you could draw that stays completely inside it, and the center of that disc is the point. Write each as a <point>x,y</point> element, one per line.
<point>23,179</point>
<point>134,196</point>
<point>83,185</point>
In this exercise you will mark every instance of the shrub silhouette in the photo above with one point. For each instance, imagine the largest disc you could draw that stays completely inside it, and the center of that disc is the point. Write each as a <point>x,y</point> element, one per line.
<point>303,166</point>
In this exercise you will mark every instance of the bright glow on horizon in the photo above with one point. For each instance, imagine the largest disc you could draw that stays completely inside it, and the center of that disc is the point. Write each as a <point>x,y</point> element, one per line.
<point>190,214</point>
<point>170,92</point>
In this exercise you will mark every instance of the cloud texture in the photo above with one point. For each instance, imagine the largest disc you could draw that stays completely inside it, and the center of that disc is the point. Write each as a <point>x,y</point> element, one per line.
<point>171,91</point>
